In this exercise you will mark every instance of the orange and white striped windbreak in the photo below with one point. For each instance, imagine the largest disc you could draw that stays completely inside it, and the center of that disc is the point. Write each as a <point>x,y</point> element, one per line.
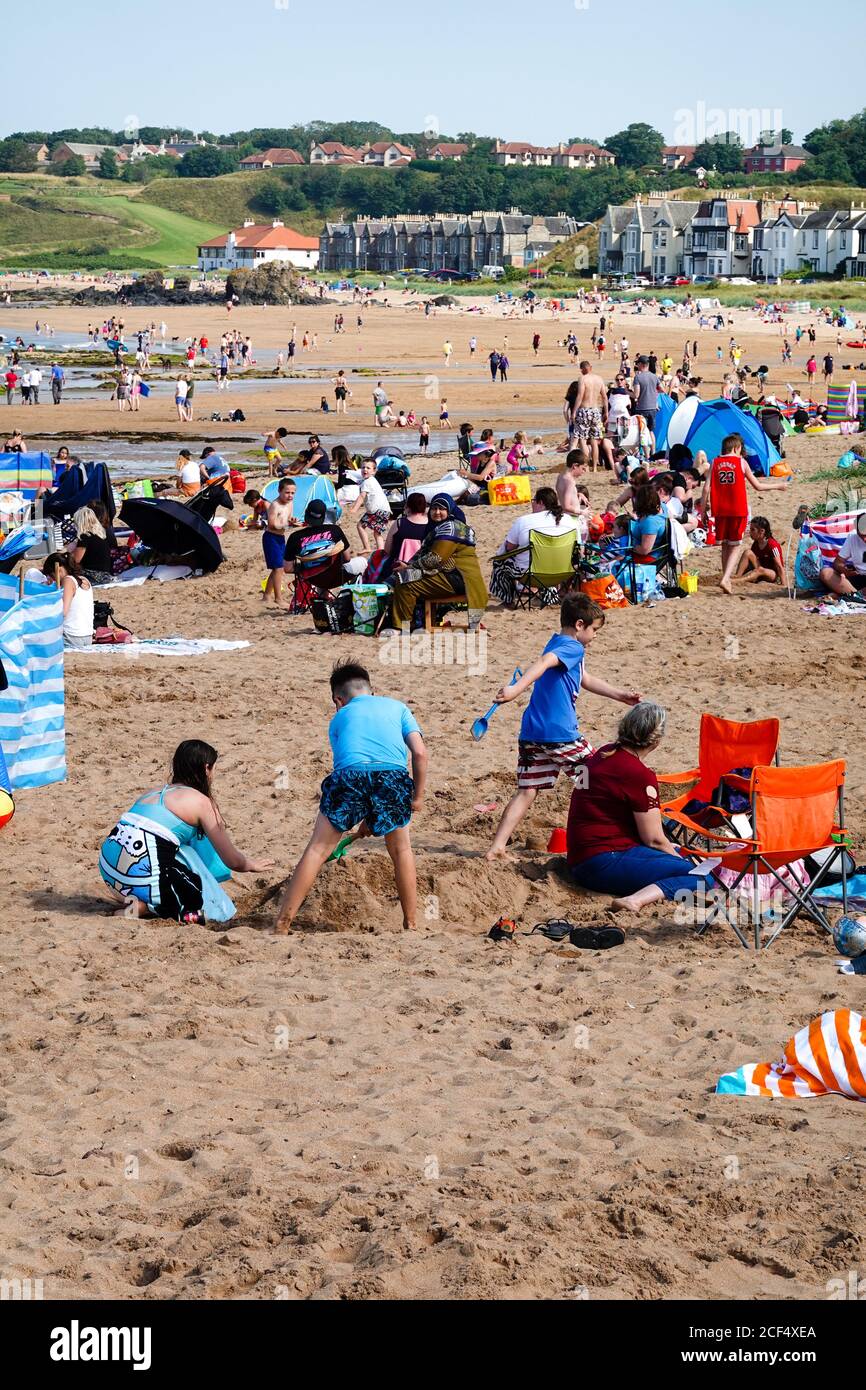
<point>827,1057</point>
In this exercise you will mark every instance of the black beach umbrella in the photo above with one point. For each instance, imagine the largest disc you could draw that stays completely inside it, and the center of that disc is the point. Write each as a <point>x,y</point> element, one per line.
<point>170,528</point>
<point>208,498</point>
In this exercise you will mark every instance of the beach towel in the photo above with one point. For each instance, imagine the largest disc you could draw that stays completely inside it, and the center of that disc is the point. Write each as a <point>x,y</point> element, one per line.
<point>25,473</point>
<point>139,574</point>
<point>32,710</point>
<point>166,646</point>
<point>831,531</point>
<point>827,1057</point>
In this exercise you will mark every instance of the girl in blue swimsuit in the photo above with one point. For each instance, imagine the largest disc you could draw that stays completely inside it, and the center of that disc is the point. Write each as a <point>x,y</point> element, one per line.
<point>170,851</point>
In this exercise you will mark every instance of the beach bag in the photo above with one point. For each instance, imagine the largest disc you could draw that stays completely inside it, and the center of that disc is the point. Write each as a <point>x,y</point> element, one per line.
<point>107,631</point>
<point>142,488</point>
<point>237,480</point>
<point>334,615</point>
<point>604,590</point>
<point>808,564</point>
<point>365,600</point>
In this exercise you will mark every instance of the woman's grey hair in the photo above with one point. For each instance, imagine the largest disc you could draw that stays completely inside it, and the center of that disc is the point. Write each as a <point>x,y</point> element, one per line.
<point>643,727</point>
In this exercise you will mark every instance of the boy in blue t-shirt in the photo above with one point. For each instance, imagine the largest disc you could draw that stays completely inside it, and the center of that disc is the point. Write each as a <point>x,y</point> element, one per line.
<point>369,788</point>
<point>550,741</point>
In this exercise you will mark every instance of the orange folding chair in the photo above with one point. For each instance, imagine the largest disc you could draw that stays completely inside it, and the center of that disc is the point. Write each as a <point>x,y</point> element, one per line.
<point>723,744</point>
<point>796,811</point>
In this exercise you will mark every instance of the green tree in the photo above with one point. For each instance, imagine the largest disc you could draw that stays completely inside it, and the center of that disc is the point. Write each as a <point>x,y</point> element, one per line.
<point>831,166</point>
<point>108,168</point>
<point>16,156</point>
<point>722,152</point>
<point>72,167</point>
<point>206,162</point>
<point>637,145</point>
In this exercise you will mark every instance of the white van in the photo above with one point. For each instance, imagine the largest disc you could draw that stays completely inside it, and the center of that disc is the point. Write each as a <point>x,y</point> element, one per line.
<point>492,272</point>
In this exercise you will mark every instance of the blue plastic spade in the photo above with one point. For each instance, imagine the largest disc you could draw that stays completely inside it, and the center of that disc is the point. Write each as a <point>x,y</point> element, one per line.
<point>480,727</point>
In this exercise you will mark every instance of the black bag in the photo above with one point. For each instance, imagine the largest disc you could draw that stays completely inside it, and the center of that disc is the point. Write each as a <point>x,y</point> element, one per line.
<point>103,616</point>
<point>334,615</point>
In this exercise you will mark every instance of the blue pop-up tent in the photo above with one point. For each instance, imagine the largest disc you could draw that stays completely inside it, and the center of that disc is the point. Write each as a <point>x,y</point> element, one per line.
<point>704,424</point>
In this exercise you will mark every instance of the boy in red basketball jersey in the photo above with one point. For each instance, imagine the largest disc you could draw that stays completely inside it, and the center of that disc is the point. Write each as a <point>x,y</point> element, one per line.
<point>727,501</point>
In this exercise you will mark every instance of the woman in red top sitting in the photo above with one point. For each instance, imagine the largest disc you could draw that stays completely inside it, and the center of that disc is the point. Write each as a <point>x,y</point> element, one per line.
<point>616,843</point>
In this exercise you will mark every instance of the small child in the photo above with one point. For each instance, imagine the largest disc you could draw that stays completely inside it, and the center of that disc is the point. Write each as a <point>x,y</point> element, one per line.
<point>726,493</point>
<point>259,519</point>
<point>369,788</point>
<point>550,741</point>
<point>324,406</point>
<point>424,434</point>
<point>517,454</point>
<point>764,559</point>
<point>443,414</point>
<point>538,445</point>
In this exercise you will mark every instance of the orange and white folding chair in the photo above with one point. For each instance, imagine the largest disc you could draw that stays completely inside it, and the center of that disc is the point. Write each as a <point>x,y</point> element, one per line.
<point>796,811</point>
<point>723,744</point>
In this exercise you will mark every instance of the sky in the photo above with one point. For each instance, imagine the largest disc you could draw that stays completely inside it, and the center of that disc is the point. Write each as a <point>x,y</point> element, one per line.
<point>542,71</point>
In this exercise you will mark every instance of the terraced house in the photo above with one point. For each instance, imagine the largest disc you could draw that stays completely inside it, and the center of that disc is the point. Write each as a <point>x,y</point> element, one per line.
<point>459,243</point>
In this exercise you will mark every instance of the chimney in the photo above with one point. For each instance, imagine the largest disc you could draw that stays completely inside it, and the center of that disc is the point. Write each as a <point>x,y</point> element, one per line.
<point>249,222</point>
<point>277,223</point>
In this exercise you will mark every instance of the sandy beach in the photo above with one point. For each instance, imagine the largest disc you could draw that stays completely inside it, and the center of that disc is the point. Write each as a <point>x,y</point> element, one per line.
<point>354,1111</point>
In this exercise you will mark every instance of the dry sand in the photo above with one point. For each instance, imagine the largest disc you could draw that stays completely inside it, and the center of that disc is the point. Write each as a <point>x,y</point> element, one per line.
<point>358,1112</point>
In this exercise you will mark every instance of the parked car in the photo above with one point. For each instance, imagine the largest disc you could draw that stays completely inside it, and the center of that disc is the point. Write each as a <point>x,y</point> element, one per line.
<point>681,280</point>
<point>703,279</point>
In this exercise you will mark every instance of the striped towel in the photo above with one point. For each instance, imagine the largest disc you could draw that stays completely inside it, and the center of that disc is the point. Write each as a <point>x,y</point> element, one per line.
<point>827,1057</point>
<point>32,711</point>
<point>25,473</point>
<point>831,531</point>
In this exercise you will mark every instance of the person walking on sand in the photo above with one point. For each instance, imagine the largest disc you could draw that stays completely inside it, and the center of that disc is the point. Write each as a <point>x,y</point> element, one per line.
<point>550,741</point>
<point>447,349</point>
<point>590,412</point>
<point>369,792</point>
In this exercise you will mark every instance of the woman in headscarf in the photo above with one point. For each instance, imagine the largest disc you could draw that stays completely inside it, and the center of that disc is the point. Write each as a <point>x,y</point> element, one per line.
<point>446,565</point>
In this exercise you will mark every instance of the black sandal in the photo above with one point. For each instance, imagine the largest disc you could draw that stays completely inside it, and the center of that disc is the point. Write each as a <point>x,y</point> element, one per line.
<point>596,938</point>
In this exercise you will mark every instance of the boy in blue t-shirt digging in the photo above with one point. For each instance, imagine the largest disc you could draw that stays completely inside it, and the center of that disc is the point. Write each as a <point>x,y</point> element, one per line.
<point>550,741</point>
<point>369,788</point>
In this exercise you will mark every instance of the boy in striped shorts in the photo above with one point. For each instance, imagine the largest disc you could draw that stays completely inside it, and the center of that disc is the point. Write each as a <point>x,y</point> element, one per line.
<point>550,740</point>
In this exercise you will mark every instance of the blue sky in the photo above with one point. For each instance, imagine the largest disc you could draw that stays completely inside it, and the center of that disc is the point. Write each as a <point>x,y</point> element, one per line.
<point>539,71</point>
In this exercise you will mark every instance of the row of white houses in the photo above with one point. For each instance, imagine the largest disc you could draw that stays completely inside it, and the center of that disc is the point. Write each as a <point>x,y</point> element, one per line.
<point>728,236</point>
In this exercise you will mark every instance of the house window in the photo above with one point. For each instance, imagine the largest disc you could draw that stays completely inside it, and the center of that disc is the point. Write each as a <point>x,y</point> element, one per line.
<point>814,241</point>
<point>843,241</point>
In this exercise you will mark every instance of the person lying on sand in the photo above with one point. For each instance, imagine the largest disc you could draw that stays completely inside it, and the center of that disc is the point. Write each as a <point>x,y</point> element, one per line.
<point>168,854</point>
<point>369,788</point>
<point>550,741</point>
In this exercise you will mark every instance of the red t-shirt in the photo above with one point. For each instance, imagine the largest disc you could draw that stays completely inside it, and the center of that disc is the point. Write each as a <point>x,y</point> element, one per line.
<point>601,815</point>
<point>728,486</point>
<point>768,554</point>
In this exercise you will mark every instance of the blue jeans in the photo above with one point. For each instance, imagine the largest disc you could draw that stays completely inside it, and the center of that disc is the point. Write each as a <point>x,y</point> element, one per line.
<point>623,872</point>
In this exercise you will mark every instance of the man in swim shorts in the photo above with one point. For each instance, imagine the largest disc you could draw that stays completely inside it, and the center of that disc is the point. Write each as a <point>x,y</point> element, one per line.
<point>590,412</point>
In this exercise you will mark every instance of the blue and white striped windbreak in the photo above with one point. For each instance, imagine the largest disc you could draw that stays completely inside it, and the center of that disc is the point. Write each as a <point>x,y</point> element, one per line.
<point>32,710</point>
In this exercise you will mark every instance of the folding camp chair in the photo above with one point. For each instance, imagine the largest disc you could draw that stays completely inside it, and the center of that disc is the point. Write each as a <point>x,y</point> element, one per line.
<point>662,556</point>
<point>723,744</point>
<point>796,812</point>
<point>550,563</point>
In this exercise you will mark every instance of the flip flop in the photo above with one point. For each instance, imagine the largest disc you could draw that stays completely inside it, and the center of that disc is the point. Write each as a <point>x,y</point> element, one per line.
<point>596,938</point>
<point>555,928</point>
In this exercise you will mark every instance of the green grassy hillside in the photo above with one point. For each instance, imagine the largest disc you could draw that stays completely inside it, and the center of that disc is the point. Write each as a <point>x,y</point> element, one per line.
<point>90,224</point>
<point>226,200</point>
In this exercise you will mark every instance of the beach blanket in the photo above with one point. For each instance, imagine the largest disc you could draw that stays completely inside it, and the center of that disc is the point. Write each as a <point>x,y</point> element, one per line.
<point>856,889</point>
<point>25,473</point>
<point>827,1057</point>
<point>166,646</point>
<point>139,574</point>
<point>32,710</point>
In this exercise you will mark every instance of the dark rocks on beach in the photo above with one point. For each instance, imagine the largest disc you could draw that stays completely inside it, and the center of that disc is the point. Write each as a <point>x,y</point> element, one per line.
<point>272,283</point>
